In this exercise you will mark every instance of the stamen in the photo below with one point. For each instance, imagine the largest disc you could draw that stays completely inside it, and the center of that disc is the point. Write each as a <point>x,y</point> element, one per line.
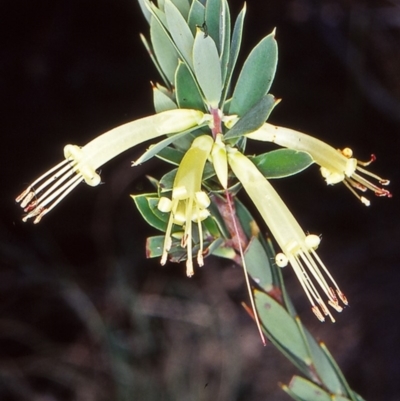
<point>342,296</point>
<point>383,181</point>
<point>318,313</point>
<point>367,163</point>
<point>335,306</point>
<point>56,196</point>
<point>362,199</point>
<point>24,193</point>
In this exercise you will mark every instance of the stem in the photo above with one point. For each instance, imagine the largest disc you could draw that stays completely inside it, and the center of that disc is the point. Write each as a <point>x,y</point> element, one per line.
<point>217,122</point>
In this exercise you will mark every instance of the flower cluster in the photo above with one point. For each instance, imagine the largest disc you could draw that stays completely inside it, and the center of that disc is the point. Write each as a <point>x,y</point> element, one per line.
<point>197,68</point>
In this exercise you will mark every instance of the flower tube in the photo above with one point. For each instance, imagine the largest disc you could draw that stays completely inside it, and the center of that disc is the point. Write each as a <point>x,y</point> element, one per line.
<point>189,203</point>
<point>336,165</point>
<point>80,164</point>
<point>297,248</point>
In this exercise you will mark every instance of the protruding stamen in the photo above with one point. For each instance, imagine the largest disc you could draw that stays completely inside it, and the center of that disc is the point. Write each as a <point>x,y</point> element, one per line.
<point>335,306</point>
<point>318,313</point>
<point>362,199</point>
<point>342,296</point>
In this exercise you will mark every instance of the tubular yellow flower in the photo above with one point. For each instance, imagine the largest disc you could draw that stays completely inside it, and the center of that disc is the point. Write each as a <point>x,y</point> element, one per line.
<point>189,203</point>
<point>297,248</point>
<point>336,166</point>
<point>80,164</point>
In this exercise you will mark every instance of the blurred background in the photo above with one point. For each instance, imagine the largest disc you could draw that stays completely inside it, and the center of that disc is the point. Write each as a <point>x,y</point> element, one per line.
<point>83,314</point>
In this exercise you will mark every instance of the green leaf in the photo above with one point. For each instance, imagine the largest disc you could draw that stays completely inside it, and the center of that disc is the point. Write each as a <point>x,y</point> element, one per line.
<point>212,227</point>
<point>153,58</point>
<point>147,206</point>
<point>306,390</point>
<point>256,76</point>
<point>154,246</point>
<point>162,102</point>
<point>187,91</point>
<point>183,6</point>
<point>164,50</point>
<point>156,148</point>
<point>339,373</point>
<point>282,162</point>
<point>322,366</point>
<point>225,34</point>
<point>234,51</point>
<point>145,9</point>
<point>280,326</point>
<point>253,118</point>
<point>196,16</point>
<point>258,264</point>
<point>179,31</point>
<point>207,68</point>
<point>171,155</point>
<point>212,20</point>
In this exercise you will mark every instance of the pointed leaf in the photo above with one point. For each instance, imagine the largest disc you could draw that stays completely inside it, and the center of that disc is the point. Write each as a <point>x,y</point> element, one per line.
<point>196,16</point>
<point>187,91</point>
<point>179,31</point>
<point>258,264</point>
<point>255,117</point>
<point>183,6</point>
<point>145,9</point>
<point>213,8</point>
<point>171,155</point>
<point>154,149</point>
<point>154,246</point>
<point>225,34</point>
<point>167,56</point>
<point>280,326</point>
<point>153,58</point>
<point>147,206</point>
<point>234,51</point>
<point>282,162</point>
<point>256,76</point>
<point>162,102</point>
<point>207,68</point>
<point>307,390</point>
<point>323,367</point>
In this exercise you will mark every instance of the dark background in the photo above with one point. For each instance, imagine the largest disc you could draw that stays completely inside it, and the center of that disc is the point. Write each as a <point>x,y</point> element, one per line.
<point>83,314</point>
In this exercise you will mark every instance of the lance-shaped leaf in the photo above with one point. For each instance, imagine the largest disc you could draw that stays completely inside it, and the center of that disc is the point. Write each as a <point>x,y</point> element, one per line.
<point>196,16</point>
<point>179,31</point>
<point>161,99</point>
<point>207,68</point>
<point>154,149</point>
<point>164,50</point>
<point>322,366</point>
<point>258,264</point>
<point>256,76</point>
<point>145,9</point>
<point>213,9</point>
<point>147,206</point>
<point>183,6</point>
<point>304,390</point>
<point>280,327</point>
<point>225,38</point>
<point>282,163</point>
<point>234,50</point>
<point>254,117</point>
<point>187,90</point>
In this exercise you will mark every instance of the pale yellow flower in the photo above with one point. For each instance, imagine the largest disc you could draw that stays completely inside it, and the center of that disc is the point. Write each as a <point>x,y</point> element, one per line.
<point>189,203</point>
<point>297,248</point>
<point>336,166</point>
<point>80,164</point>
